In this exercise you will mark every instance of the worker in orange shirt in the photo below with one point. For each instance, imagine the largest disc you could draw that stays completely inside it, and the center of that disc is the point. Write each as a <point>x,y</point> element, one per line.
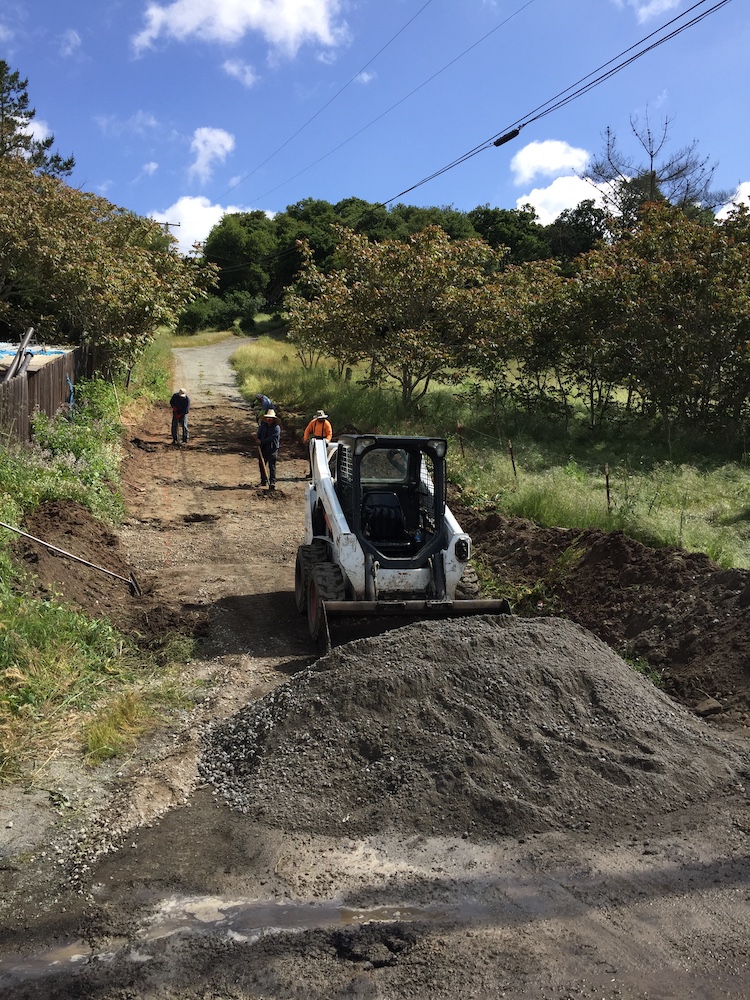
<point>319,428</point>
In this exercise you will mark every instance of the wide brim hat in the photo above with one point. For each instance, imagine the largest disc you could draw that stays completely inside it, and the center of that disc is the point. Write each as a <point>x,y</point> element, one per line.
<point>181,392</point>
<point>270,413</point>
<point>321,415</point>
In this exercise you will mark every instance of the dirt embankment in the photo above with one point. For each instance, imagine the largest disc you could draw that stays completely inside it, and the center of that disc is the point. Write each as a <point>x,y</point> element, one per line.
<point>481,808</point>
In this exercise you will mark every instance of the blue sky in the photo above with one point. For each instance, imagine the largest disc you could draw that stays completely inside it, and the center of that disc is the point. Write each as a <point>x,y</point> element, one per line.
<point>185,109</point>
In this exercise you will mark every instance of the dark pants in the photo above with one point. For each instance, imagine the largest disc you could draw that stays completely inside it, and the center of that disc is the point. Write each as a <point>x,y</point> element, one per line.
<point>269,457</point>
<point>180,422</point>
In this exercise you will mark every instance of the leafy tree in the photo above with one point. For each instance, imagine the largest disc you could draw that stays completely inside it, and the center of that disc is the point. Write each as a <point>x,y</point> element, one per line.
<point>375,221</point>
<point>683,178</point>
<point>671,304</point>
<point>243,245</point>
<point>514,228</point>
<point>407,306</point>
<point>413,219</point>
<point>76,267</point>
<point>516,347</point>
<point>576,230</point>
<point>16,136</point>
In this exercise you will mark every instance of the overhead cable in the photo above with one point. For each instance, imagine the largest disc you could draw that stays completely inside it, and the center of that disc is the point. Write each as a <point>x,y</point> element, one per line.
<point>393,106</point>
<point>331,100</point>
<point>575,90</point>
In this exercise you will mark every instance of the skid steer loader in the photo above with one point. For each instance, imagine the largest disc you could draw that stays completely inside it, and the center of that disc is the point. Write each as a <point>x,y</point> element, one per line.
<point>379,537</point>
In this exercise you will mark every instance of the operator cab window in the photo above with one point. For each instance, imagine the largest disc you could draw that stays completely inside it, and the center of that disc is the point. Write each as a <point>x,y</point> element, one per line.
<point>384,465</point>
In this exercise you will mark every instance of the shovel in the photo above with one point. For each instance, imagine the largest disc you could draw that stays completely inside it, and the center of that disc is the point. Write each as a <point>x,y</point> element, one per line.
<point>133,585</point>
<point>263,463</point>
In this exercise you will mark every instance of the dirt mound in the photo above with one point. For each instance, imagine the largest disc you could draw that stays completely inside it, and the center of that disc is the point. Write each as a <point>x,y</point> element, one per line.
<point>487,726</point>
<point>679,611</point>
<point>71,527</point>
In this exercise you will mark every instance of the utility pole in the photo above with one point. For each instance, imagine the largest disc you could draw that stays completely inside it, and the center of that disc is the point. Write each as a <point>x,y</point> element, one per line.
<point>167,226</point>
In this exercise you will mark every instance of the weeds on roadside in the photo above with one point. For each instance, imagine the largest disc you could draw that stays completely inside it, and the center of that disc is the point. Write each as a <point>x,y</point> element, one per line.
<point>61,671</point>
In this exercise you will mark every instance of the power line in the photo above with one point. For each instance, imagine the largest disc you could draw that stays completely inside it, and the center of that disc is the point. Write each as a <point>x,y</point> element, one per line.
<point>393,106</point>
<point>330,101</point>
<point>571,93</point>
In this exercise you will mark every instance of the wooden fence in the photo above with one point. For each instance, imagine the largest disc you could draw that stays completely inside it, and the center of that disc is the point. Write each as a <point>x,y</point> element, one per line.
<point>45,389</point>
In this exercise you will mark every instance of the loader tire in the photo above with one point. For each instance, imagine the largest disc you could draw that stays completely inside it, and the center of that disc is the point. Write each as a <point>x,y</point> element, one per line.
<point>307,557</point>
<point>325,584</point>
<point>467,588</point>
<point>302,566</point>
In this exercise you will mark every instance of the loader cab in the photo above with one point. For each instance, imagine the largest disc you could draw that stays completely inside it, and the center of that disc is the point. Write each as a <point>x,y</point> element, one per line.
<point>392,492</point>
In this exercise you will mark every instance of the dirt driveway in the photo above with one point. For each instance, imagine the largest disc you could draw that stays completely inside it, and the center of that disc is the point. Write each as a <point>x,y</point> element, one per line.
<point>446,812</point>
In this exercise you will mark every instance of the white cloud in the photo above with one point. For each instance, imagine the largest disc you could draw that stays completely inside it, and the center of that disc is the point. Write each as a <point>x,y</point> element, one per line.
<point>652,8</point>
<point>546,159</point>
<point>196,218</point>
<point>741,197</point>
<point>5,33</point>
<point>562,193</point>
<point>285,24</point>
<point>365,77</point>
<point>149,169</point>
<point>38,129</point>
<point>210,145</point>
<point>70,43</point>
<point>240,71</point>
<point>139,123</point>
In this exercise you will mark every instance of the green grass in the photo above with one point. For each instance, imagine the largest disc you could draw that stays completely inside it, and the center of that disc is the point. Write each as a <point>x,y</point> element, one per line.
<point>691,493</point>
<point>68,681</point>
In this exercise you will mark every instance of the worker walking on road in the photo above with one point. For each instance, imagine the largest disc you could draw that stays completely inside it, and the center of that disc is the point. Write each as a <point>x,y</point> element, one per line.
<point>180,403</point>
<point>319,428</point>
<point>269,438</point>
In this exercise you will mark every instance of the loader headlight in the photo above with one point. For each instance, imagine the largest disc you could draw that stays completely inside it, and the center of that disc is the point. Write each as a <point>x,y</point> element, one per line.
<point>463,549</point>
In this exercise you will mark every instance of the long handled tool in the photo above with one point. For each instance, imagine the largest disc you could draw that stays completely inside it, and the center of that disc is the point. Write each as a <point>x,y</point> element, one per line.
<point>131,581</point>
<point>265,466</point>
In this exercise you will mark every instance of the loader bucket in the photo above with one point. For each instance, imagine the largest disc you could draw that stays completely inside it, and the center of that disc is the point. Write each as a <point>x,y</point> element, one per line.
<point>356,619</point>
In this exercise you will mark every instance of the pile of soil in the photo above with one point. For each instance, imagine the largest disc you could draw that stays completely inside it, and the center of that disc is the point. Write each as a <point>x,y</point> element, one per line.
<point>70,527</point>
<point>486,727</point>
<point>678,611</point>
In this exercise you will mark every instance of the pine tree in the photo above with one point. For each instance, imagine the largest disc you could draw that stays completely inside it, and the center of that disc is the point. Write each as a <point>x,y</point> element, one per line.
<point>16,135</point>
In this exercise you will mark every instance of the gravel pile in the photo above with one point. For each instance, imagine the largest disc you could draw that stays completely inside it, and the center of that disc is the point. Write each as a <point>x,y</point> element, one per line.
<point>486,726</point>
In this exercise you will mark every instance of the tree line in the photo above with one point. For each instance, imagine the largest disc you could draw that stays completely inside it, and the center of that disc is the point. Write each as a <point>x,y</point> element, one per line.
<point>258,256</point>
<point>653,320</point>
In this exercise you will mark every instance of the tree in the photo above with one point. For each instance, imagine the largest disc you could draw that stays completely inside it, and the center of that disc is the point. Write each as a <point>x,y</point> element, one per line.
<point>16,136</point>
<point>515,228</point>
<point>243,245</point>
<point>407,307</point>
<point>413,219</point>
<point>516,346</point>
<point>670,305</point>
<point>78,268</point>
<point>576,231</point>
<point>682,179</point>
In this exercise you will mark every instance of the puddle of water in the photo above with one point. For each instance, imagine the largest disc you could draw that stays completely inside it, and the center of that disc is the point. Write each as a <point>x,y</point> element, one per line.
<point>239,919</point>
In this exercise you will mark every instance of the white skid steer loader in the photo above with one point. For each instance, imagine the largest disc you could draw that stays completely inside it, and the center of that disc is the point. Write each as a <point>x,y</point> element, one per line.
<point>379,537</point>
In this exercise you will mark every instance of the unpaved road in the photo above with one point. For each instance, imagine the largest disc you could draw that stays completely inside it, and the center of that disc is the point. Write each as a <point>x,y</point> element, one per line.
<point>159,889</point>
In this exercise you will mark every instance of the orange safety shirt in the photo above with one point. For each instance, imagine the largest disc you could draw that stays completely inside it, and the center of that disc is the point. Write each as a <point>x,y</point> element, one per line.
<point>319,428</point>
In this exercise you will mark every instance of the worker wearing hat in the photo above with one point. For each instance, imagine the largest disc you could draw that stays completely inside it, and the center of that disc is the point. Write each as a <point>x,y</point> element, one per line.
<point>180,403</point>
<point>263,404</point>
<point>319,428</point>
<point>269,438</point>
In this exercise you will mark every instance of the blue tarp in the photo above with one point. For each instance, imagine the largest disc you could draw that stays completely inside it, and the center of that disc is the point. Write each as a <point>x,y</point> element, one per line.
<point>10,350</point>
